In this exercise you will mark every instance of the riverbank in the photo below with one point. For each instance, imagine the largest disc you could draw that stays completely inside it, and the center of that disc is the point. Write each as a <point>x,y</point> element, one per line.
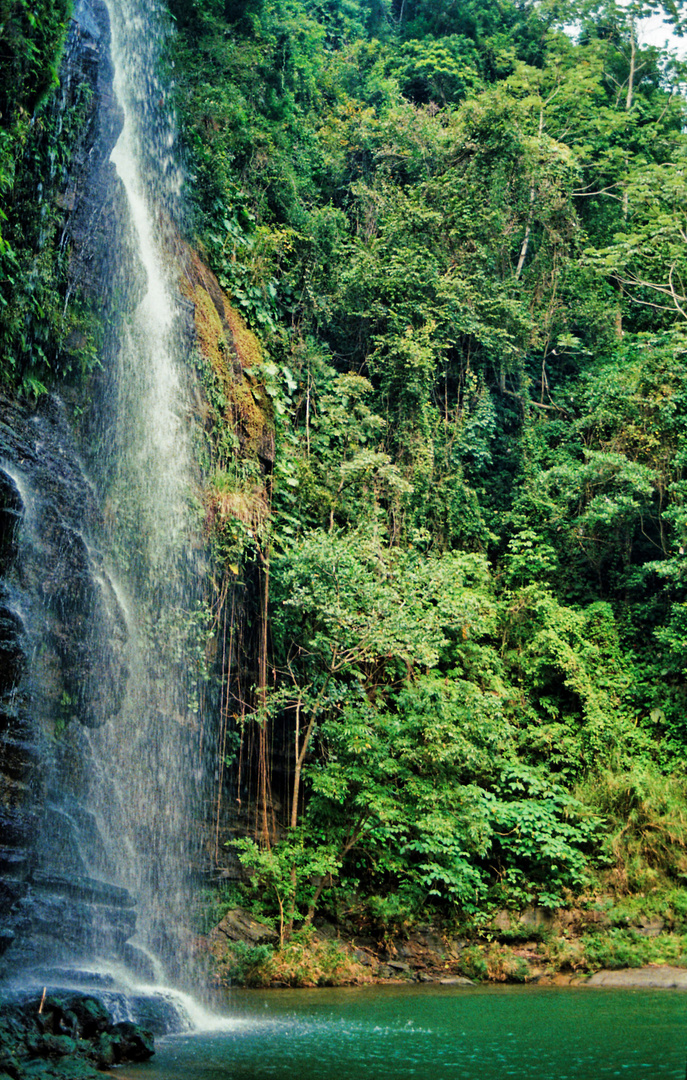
<point>568,947</point>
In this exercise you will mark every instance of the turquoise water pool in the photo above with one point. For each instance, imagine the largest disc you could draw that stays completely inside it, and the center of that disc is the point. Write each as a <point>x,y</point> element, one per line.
<point>433,1033</point>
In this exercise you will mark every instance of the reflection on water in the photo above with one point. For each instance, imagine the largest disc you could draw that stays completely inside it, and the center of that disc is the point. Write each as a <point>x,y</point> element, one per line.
<point>434,1033</point>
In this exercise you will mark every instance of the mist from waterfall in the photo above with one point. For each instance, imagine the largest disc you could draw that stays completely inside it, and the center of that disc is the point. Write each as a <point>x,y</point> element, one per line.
<point>147,763</point>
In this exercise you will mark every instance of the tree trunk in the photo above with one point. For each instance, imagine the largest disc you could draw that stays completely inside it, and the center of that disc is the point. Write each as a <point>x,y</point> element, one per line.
<point>298,768</point>
<point>263,770</point>
<point>633,66</point>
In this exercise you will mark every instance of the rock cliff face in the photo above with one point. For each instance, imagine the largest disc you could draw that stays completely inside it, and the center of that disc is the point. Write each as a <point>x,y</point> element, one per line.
<point>62,670</point>
<point>92,201</point>
<point>62,629</point>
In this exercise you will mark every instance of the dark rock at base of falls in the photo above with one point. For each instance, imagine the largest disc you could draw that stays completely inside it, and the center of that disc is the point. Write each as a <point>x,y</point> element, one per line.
<point>58,609</point>
<point>64,916</point>
<point>66,1037</point>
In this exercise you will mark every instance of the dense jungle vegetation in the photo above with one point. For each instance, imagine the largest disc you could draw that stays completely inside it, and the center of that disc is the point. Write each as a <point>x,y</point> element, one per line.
<point>458,229</point>
<point>36,142</point>
<point>460,234</point>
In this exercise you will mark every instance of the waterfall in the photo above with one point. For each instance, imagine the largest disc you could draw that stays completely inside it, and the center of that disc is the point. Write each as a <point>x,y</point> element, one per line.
<point>148,764</point>
<point>102,564</point>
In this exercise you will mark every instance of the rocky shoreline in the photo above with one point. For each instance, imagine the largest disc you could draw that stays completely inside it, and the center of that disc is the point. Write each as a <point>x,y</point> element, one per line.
<point>73,1036</point>
<point>66,1037</point>
<point>658,977</point>
<point>527,948</point>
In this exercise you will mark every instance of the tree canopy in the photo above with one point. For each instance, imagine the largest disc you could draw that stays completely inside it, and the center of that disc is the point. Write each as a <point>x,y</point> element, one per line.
<point>459,231</point>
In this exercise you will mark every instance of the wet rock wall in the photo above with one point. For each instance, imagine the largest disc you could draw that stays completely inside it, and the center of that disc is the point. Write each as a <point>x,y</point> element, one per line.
<point>62,629</point>
<point>62,671</point>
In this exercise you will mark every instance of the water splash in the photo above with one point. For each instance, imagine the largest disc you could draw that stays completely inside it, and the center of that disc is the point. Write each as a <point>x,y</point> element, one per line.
<point>147,766</point>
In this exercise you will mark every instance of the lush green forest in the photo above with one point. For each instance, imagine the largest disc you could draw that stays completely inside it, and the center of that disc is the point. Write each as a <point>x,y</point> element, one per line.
<point>36,143</point>
<point>458,230</point>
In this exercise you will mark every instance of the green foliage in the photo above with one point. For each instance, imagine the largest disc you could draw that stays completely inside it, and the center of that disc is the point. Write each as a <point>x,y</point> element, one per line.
<point>548,835</point>
<point>629,949</point>
<point>41,337</point>
<point>648,825</point>
<point>31,36</point>
<point>287,873</point>
<point>301,962</point>
<point>458,233</point>
<point>437,71</point>
<point>392,659</point>
<point>248,963</point>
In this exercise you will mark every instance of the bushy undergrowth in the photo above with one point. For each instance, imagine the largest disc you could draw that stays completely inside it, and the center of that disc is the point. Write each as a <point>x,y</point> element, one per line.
<point>302,962</point>
<point>646,816</point>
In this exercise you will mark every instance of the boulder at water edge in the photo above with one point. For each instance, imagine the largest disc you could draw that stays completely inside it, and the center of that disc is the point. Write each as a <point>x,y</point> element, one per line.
<point>68,1037</point>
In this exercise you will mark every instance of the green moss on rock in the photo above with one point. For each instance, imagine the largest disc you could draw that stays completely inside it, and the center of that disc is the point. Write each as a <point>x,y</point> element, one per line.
<point>233,354</point>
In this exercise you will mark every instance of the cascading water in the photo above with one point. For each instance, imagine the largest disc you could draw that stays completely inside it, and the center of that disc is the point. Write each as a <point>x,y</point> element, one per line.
<point>151,454</point>
<point>101,616</point>
<point>148,765</point>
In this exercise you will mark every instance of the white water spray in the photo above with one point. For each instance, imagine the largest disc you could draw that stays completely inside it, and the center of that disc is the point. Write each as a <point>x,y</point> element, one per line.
<point>152,435</point>
<point>147,764</point>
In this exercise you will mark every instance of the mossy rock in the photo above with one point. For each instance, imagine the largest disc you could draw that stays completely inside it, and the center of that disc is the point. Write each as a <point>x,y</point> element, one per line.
<point>72,1068</point>
<point>232,353</point>
<point>66,1038</point>
<point>57,1046</point>
<point>131,1042</point>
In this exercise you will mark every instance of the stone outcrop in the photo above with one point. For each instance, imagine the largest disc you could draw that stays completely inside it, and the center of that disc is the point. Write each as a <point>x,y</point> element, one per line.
<point>232,354</point>
<point>69,1037</point>
<point>92,200</point>
<point>62,669</point>
<point>660,977</point>
<point>239,925</point>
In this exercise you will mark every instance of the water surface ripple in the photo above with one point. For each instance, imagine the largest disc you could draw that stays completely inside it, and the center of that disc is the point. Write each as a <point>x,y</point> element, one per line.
<point>436,1034</point>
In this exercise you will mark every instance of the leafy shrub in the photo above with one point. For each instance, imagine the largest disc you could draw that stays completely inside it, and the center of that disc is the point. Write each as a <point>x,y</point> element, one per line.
<point>648,817</point>
<point>248,965</point>
<point>303,961</point>
<point>473,963</point>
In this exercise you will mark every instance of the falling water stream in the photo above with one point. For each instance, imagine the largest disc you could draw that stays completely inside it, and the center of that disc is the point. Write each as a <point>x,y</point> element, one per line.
<point>146,768</point>
<point>150,772</point>
<point>102,566</point>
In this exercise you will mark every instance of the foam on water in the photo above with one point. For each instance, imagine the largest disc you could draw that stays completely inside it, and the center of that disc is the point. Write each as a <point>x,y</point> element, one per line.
<point>164,1009</point>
